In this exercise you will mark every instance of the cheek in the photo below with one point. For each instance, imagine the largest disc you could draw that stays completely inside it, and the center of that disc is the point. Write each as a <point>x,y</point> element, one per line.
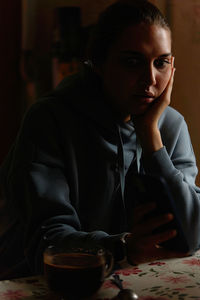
<point>162,81</point>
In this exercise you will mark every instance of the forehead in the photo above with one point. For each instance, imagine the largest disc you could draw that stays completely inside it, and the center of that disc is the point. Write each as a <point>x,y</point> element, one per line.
<point>152,40</point>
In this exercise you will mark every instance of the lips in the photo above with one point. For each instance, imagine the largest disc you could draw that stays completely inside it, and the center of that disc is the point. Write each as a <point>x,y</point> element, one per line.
<point>145,94</point>
<point>145,97</point>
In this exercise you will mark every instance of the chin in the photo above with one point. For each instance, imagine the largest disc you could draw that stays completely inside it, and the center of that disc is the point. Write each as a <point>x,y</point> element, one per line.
<point>139,111</point>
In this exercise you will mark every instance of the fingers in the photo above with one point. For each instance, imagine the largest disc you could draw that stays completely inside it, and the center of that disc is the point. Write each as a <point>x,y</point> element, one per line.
<point>172,61</point>
<point>163,253</point>
<point>146,226</point>
<point>159,238</point>
<point>141,211</point>
<point>165,97</point>
<point>158,221</point>
<point>146,249</point>
<point>171,79</point>
<point>152,241</point>
<point>169,86</point>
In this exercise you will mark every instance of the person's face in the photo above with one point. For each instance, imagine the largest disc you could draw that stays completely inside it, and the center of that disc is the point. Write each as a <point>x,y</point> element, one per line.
<point>137,68</point>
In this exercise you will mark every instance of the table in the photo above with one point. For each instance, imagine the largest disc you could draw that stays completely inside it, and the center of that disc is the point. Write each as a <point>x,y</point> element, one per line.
<point>177,279</point>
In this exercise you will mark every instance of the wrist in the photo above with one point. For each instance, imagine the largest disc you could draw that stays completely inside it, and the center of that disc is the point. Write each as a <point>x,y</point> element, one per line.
<point>152,142</point>
<point>123,247</point>
<point>129,249</point>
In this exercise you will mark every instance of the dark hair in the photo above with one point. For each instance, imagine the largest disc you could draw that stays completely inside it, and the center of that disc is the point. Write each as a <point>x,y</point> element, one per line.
<point>115,19</point>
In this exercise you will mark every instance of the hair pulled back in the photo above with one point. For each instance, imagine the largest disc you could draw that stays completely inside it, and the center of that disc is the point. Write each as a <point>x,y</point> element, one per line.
<point>115,19</point>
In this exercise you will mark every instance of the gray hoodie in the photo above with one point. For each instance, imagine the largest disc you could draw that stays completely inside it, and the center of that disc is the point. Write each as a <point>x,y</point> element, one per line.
<point>65,179</point>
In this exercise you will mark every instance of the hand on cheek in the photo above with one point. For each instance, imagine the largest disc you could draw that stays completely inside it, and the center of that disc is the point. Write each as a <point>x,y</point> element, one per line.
<point>165,98</point>
<point>146,125</point>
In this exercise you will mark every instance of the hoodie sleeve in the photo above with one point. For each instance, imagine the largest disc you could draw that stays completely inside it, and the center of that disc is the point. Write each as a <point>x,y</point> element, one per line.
<point>176,163</point>
<point>41,184</point>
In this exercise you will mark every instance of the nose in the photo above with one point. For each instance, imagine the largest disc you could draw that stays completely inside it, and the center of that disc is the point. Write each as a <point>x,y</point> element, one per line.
<point>149,76</point>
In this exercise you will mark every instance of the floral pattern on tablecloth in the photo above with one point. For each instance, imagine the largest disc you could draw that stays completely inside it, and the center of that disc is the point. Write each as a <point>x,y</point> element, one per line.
<point>32,288</point>
<point>173,279</point>
<point>13,294</point>
<point>177,279</point>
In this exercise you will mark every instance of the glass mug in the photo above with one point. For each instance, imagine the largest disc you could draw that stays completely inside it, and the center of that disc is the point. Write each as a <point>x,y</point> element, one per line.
<point>76,273</point>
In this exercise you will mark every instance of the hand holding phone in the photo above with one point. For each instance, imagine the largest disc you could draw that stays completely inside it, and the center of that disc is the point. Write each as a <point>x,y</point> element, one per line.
<point>151,189</point>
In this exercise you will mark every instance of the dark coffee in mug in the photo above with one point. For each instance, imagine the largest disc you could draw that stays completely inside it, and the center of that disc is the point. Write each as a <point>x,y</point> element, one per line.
<point>74,274</point>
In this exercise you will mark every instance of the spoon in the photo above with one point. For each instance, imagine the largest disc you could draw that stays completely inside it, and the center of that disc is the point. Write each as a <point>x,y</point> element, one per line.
<point>124,294</point>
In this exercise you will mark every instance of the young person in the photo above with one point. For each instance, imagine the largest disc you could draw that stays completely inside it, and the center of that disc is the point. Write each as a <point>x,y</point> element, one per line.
<point>67,179</point>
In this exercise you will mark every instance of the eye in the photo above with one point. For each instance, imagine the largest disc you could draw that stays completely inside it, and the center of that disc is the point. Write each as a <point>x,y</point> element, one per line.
<point>161,63</point>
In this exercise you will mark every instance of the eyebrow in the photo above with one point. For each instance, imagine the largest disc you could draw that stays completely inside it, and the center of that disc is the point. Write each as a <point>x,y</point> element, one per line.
<point>166,55</point>
<point>136,53</point>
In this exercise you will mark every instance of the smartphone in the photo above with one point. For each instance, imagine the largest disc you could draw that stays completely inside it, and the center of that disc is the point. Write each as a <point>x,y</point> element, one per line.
<point>155,189</point>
